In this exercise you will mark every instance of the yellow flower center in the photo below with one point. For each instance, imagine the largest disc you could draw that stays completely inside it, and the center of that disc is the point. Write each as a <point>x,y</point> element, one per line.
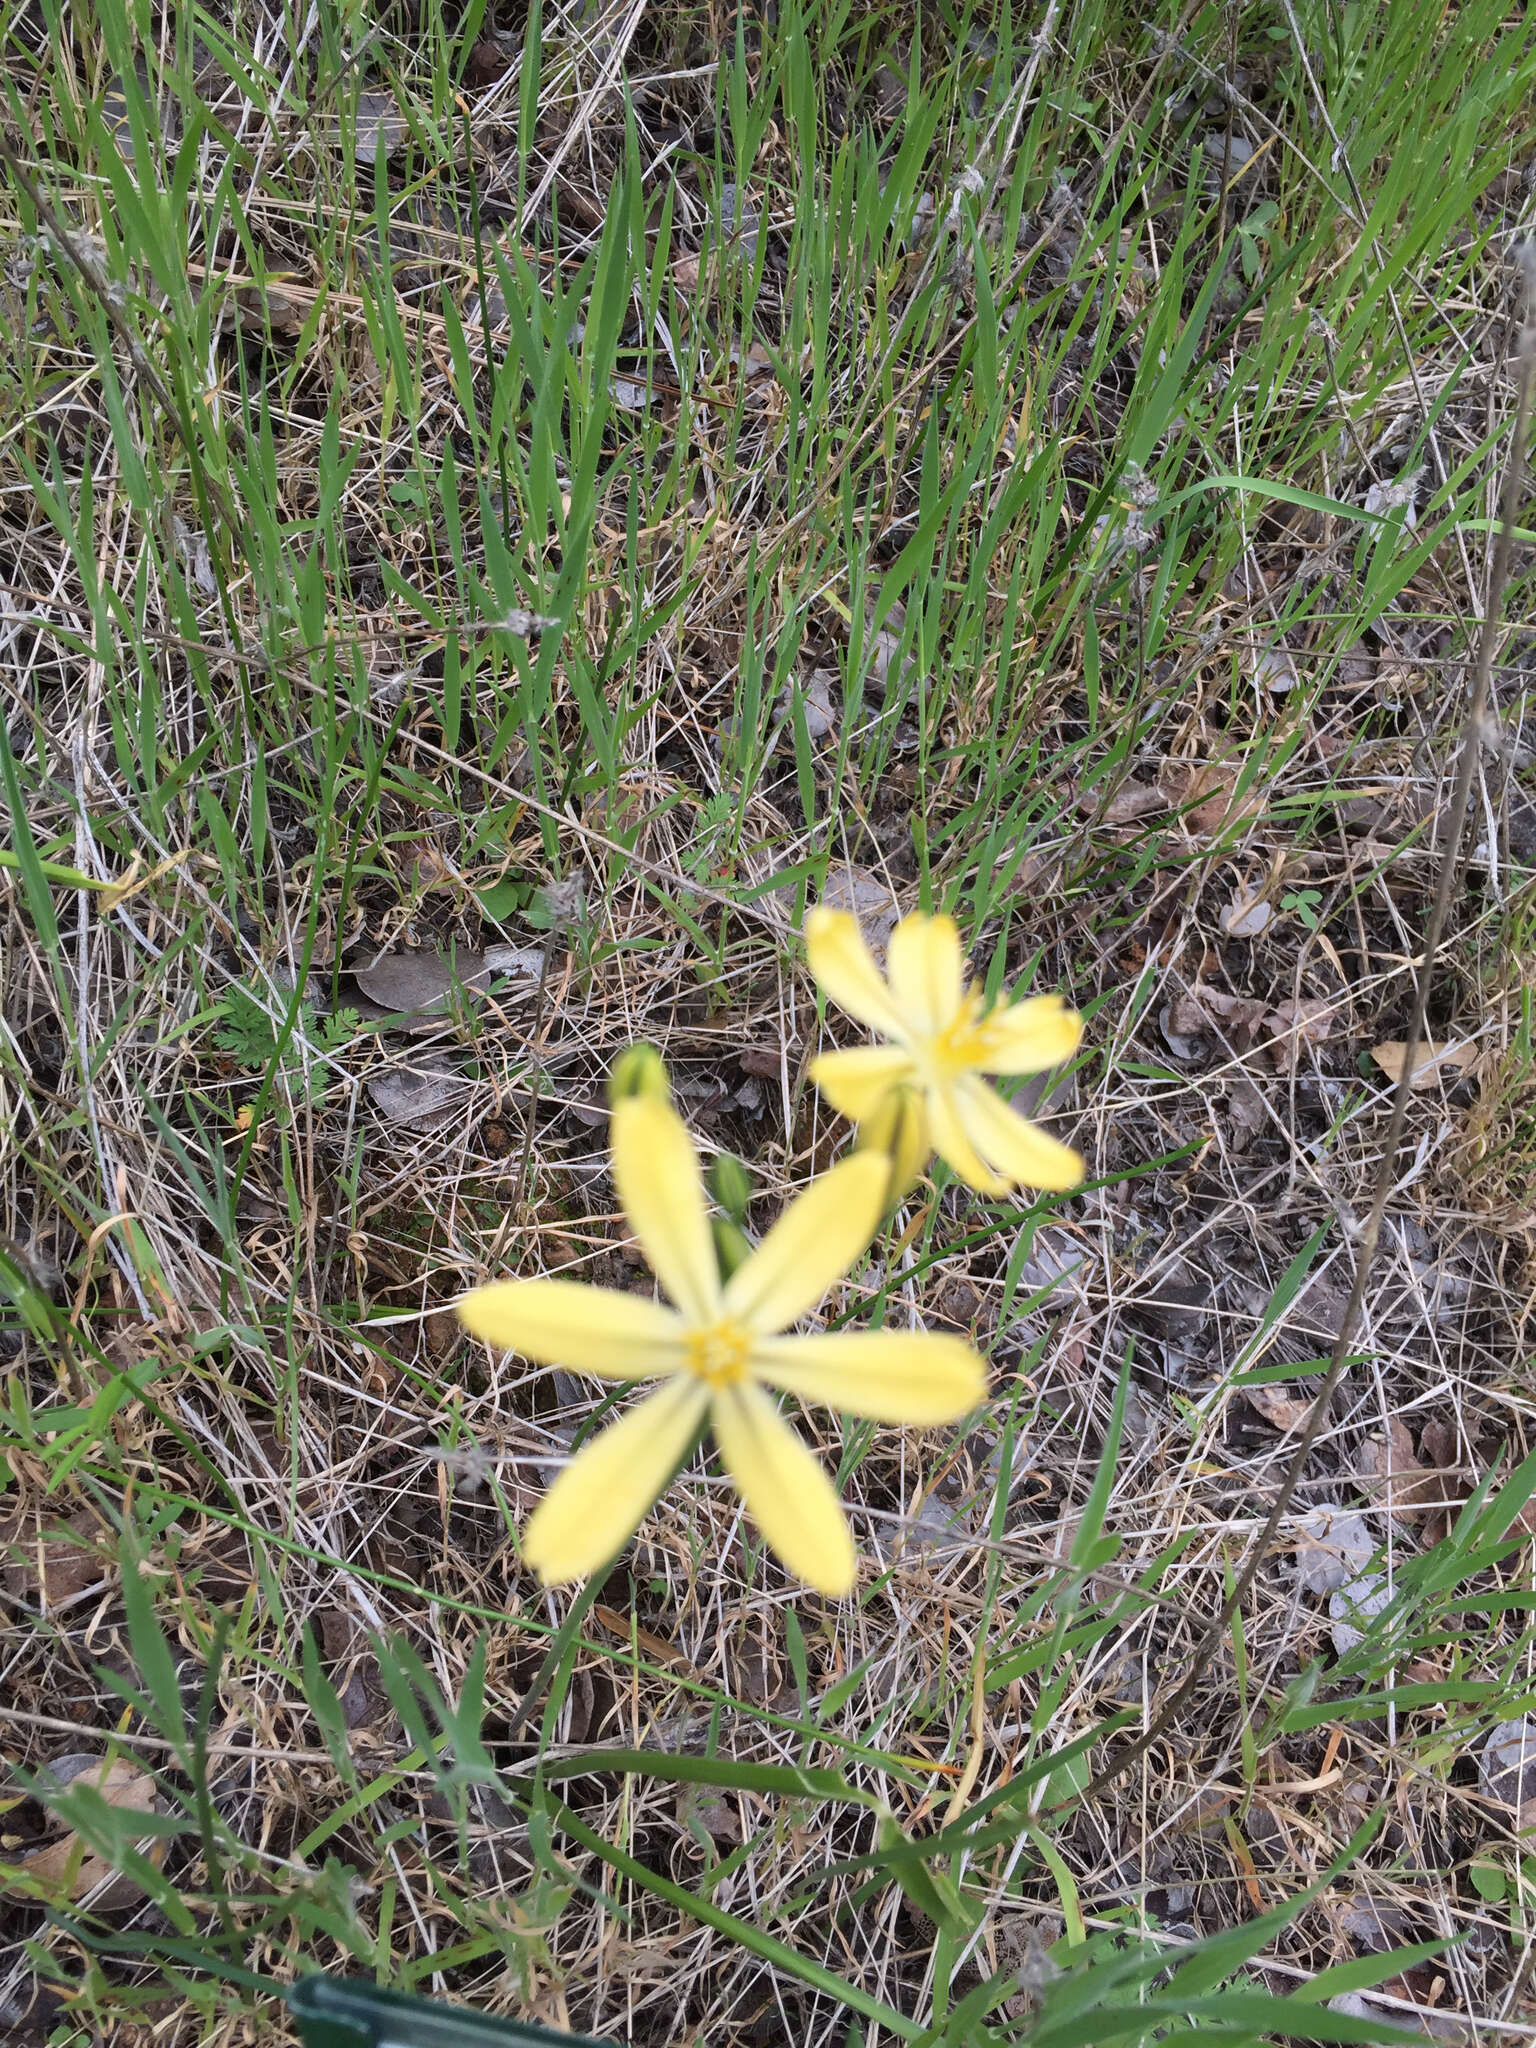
<point>961,1045</point>
<point>719,1354</point>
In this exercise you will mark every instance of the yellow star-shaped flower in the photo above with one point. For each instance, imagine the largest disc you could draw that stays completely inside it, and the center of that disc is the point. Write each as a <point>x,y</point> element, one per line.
<point>941,1045</point>
<point>718,1351</point>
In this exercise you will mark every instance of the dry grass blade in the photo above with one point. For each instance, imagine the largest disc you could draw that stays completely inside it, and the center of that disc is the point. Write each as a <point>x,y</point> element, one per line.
<point>1028,465</point>
<point>1451,855</point>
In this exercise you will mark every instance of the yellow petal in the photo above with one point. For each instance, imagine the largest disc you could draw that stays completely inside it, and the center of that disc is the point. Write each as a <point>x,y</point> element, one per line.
<point>897,1127</point>
<point>846,970</point>
<point>857,1081</point>
<point>598,1501</point>
<point>887,1375</point>
<point>590,1329</point>
<point>814,1242</point>
<point>952,1143</point>
<point>1028,1037</point>
<point>661,1189</point>
<point>1012,1145</point>
<point>927,970</point>
<point>790,1497</point>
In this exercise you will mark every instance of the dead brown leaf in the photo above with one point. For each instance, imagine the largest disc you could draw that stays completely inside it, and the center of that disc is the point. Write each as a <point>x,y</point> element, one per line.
<point>1206,794</point>
<point>1296,1024</point>
<point>1132,800</point>
<point>869,897</point>
<point>1246,1106</point>
<point>1435,1062</point>
<point>644,1639</point>
<point>491,59</point>
<point>715,1815</point>
<point>63,1866</point>
<point>1440,1443</point>
<point>1206,1011</point>
<point>1184,1018</point>
<point>1238,1013</point>
<point>421,1094</point>
<point>49,1558</point>
<point>1280,1410</point>
<point>1440,1450</point>
<point>1390,1472</point>
<point>422,982</point>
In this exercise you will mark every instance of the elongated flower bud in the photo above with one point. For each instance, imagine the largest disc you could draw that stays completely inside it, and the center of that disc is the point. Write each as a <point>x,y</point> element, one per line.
<point>731,1185</point>
<point>639,1070</point>
<point>732,1246</point>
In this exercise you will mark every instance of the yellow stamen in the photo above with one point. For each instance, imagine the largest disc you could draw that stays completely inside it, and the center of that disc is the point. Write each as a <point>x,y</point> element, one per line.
<point>719,1354</point>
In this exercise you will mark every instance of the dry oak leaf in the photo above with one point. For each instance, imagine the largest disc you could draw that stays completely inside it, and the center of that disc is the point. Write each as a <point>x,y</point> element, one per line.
<point>422,1095</point>
<point>1280,1410</point>
<point>1203,1009</point>
<point>1295,1024</point>
<point>1442,1061</point>
<point>1246,1106</point>
<point>870,899</point>
<point>421,982</point>
<point>65,1867</point>
<point>1132,800</point>
<point>1440,1450</point>
<point>1507,1767</point>
<point>1390,1469</point>
<point>1206,793</point>
<point>1333,1546</point>
<point>48,1559</point>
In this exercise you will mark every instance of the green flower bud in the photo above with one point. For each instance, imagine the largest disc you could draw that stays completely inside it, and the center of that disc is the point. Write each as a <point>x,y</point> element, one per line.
<point>639,1070</point>
<point>731,1185</point>
<point>731,1246</point>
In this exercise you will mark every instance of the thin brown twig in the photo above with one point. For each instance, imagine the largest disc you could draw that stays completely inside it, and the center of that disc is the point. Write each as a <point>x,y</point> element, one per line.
<point>1470,743</point>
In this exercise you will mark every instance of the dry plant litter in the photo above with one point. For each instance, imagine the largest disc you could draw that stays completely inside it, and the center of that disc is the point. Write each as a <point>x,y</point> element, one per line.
<point>503,511</point>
